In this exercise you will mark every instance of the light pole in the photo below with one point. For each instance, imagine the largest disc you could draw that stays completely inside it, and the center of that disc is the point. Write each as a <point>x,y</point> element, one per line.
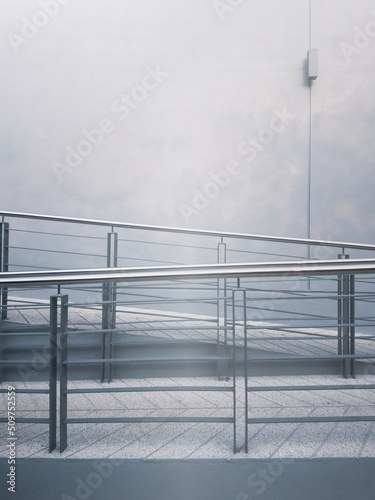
<point>312,74</point>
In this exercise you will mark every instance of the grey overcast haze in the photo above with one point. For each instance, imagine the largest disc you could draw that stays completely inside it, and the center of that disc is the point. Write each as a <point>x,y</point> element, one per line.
<point>191,113</point>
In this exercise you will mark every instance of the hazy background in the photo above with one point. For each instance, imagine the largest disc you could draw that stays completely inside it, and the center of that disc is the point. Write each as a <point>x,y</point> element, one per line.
<point>226,75</point>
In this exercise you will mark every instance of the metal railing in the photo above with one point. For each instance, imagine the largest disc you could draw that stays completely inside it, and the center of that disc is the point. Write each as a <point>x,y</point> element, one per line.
<point>179,230</point>
<point>28,338</point>
<point>45,242</point>
<point>225,356</point>
<point>311,311</point>
<point>239,279</point>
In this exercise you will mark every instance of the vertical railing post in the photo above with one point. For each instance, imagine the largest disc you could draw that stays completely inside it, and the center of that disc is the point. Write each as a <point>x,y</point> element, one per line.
<point>236,322</point>
<point>4,266</point>
<point>222,291</point>
<point>105,326</point>
<point>109,307</point>
<point>352,322</point>
<point>222,319</point>
<point>112,253</point>
<point>346,319</point>
<point>339,315</point>
<point>63,373</point>
<point>343,316</point>
<point>53,372</point>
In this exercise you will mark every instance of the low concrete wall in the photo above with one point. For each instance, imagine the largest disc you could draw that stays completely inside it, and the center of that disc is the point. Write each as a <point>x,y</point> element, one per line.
<point>242,479</point>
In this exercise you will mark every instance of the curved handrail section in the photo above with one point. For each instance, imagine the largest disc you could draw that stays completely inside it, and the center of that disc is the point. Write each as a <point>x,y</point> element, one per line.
<point>163,273</point>
<point>199,232</point>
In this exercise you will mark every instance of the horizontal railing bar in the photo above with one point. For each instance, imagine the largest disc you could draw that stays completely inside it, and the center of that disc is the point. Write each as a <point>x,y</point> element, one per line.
<point>159,243</point>
<point>168,340</point>
<point>332,329</point>
<point>181,287</point>
<point>126,420</point>
<point>58,234</point>
<point>295,316</point>
<point>134,297</point>
<point>148,360</point>
<point>289,278</point>
<point>26,362</point>
<point>179,282</point>
<point>158,300</point>
<point>307,336</point>
<point>152,389</point>
<point>286,420</point>
<point>287,297</point>
<point>299,357</point>
<point>21,334</point>
<point>139,259</point>
<point>173,317</point>
<point>30,288</point>
<point>364,336</point>
<point>252,252</point>
<point>200,232</point>
<point>21,420</point>
<point>27,391</point>
<point>150,329</point>
<point>23,347</point>
<point>146,303</point>
<point>278,388</point>
<point>57,251</point>
<point>305,268</point>
<point>11,264</point>
<point>26,304</point>
<point>291,327</point>
<point>166,319</point>
<point>279,268</point>
<point>366,281</point>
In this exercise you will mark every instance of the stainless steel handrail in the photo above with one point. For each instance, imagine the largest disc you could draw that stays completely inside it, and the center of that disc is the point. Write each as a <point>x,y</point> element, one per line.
<point>200,232</point>
<point>245,270</point>
<point>187,267</point>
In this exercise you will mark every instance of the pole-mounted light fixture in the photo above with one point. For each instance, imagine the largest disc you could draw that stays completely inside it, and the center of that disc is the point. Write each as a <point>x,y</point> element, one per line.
<point>312,64</point>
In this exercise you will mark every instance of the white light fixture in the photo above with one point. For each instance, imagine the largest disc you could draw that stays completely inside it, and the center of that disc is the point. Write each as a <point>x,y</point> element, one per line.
<point>312,64</point>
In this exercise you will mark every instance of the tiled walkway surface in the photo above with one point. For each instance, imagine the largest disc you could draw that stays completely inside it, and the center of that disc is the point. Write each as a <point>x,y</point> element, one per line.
<point>197,440</point>
<point>202,440</point>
